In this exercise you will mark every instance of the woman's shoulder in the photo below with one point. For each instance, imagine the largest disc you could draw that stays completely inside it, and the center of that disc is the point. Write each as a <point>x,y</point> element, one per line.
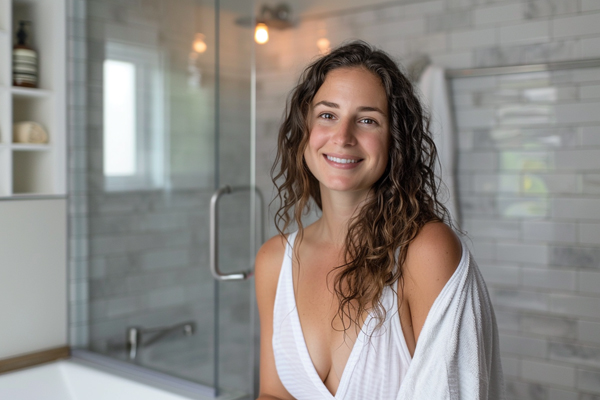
<point>269,259</point>
<point>431,259</point>
<point>435,249</point>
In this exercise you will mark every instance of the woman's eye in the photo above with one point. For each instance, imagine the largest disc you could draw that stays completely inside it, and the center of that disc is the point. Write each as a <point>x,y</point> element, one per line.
<point>326,116</point>
<point>368,121</point>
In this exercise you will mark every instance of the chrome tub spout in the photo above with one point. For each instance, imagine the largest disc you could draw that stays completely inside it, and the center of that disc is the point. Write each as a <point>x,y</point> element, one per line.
<point>135,335</point>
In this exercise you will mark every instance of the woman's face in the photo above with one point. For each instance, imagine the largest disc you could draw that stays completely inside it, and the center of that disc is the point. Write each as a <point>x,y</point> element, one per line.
<point>349,131</point>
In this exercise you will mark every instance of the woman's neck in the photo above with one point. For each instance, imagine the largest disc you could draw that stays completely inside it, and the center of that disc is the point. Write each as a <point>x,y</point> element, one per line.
<point>338,209</point>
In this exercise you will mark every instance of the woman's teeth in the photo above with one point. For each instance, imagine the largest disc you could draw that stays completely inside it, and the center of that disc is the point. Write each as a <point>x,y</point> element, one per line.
<point>341,160</point>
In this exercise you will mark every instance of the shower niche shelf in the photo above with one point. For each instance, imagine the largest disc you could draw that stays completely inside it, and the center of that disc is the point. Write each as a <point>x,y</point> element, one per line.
<point>31,169</point>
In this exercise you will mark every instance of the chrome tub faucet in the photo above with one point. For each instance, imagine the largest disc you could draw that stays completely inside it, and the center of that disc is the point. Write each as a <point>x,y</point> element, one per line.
<point>135,335</point>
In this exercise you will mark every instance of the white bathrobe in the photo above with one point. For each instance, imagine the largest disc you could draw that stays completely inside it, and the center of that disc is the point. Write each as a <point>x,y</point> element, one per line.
<point>457,355</point>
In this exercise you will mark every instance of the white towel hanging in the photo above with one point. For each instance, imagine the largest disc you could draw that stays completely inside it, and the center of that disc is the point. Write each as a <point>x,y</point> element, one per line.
<point>432,85</point>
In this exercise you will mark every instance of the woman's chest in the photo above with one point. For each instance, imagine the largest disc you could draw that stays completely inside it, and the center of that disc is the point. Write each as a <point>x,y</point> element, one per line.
<point>329,337</point>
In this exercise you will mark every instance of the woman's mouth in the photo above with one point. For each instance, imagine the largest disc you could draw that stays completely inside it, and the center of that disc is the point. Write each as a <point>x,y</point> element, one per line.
<point>345,162</point>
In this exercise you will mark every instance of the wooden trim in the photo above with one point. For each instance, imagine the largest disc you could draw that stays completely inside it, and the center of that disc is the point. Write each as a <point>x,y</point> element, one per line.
<point>31,359</point>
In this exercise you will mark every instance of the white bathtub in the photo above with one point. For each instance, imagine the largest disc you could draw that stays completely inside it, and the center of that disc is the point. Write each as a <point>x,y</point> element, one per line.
<point>72,380</point>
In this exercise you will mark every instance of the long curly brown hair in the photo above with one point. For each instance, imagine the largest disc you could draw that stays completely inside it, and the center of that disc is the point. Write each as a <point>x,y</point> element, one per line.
<point>400,203</point>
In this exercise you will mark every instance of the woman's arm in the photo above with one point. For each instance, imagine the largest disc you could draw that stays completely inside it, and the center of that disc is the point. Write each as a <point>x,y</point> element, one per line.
<point>432,258</point>
<point>267,268</point>
<point>461,329</point>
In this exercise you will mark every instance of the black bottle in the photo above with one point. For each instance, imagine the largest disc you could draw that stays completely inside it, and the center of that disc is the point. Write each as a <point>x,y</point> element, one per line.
<point>25,68</point>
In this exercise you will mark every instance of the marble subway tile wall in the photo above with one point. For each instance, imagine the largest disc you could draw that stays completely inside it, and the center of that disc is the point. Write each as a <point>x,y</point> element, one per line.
<point>528,162</point>
<point>528,242</point>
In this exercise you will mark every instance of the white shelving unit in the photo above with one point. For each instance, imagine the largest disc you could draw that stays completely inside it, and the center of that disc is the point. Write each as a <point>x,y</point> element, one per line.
<point>28,170</point>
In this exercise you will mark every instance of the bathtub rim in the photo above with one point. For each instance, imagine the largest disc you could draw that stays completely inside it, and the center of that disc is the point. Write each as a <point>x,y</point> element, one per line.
<point>149,377</point>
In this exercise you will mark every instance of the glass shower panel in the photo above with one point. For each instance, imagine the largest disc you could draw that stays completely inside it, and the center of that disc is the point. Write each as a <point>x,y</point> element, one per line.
<point>238,231</point>
<point>181,71</point>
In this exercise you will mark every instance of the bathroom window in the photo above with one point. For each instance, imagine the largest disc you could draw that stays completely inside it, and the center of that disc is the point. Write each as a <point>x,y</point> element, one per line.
<point>133,128</point>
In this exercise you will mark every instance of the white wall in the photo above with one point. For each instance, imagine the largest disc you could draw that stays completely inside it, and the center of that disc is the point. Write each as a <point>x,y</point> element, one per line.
<point>33,276</point>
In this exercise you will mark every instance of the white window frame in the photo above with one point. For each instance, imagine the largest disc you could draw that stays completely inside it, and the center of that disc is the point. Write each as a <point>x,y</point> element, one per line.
<point>150,129</point>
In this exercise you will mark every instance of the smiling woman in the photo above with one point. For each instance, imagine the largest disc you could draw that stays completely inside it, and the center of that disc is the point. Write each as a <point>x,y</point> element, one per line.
<point>348,144</point>
<point>379,298</point>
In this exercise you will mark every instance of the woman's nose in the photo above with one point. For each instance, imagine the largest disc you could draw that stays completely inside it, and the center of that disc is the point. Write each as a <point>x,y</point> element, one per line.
<point>344,134</point>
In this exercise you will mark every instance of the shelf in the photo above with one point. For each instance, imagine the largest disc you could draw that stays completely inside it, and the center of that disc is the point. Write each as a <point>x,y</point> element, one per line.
<point>45,36</point>
<point>31,147</point>
<point>30,92</point>
<point>36,109</point>
<point>32,172</point>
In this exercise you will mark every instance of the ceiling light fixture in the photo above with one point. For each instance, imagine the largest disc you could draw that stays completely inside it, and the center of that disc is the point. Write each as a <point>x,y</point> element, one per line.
<point>324,45</point>
<point>261,33</point>
<point>199,44</point>
<point>276,17</point>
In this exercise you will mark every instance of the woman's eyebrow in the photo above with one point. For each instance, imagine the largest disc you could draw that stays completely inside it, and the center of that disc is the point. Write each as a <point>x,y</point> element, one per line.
<point>362,108</point>
<point>327,103</point>
<point>375,109</point>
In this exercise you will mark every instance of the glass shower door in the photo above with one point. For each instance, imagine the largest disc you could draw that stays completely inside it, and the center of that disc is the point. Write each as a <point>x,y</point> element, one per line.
<point>170,121</point>
<point>236,212</point>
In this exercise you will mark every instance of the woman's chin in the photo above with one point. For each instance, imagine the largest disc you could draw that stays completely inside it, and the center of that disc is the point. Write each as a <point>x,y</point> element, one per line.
<point>337,186</point>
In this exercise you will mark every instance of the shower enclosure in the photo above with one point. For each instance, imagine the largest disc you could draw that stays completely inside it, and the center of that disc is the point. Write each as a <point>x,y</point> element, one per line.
<point>168,88</point>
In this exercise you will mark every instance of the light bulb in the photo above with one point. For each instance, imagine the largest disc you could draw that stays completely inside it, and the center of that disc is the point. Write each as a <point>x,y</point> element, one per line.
<point>323,45</point>
<point>199,43</point>
<point>261,34</point>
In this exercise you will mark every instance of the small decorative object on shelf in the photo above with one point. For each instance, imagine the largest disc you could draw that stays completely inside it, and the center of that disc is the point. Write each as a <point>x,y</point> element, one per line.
<point>25,68</point>
<point>29,132</point>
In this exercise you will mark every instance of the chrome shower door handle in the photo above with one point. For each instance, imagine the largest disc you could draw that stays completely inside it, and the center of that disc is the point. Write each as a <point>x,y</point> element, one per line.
<point>214,233</point>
